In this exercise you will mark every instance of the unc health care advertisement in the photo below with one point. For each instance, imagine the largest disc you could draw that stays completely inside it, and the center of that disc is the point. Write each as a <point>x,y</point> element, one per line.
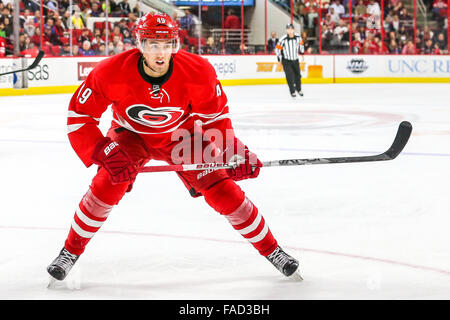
<point>392,66</point>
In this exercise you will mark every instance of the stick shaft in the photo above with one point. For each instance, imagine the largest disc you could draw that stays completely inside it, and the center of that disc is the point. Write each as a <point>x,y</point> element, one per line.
<point>401,138</point>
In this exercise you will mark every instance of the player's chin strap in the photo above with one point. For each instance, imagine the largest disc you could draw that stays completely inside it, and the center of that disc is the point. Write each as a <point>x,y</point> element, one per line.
<point>401,138</point>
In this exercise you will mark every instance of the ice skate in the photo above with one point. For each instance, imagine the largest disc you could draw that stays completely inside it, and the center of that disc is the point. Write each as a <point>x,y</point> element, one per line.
<point>293,95</point>
<point>286,264</point>
<point>300,93</point>
<point>63,263</point>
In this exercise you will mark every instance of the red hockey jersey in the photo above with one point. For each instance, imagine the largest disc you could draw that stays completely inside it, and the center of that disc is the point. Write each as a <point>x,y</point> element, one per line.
<point>153,108</point>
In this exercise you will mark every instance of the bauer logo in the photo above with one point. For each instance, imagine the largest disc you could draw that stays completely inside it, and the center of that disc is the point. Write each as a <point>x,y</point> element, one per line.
<point>357,65</point>
<point>84,68</point>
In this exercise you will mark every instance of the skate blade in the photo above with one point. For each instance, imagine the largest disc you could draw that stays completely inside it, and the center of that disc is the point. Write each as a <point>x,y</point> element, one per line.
<point>51,283</point>
<point>296,276</point>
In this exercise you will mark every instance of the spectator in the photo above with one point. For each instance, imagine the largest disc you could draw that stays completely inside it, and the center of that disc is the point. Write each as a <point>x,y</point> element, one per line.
<point>24,18</point>
<point>403,34</point>
<point>211,46</point>
<point>439,11</point>
<point>77,21</point>
<point>327,37</point>
<point>29,27</point>
<point>127,36</point>
<point>428,48</point>
<point>66,18</point>
<point>374,8</point>
<point>96,11</point>
<point>329,22</point>
<point>232,21</point>
<point>63,6</point>
<point>137,12</point>
<point>65,50</point>
<point>123,25</point>
<point>117,32</point>
<point>58,28</point>
<point>380,47</point>
<point>124,7</point>
<point>8,27</point>
<point>341,31</point>
<point>310,11</point>
<point>441,42</point>
<point>339,9</point>
<point>333,16</point>
<point>360,9</point>
<point>437,50</point>
<point>112,5</point>
<point>127,45</point>
<point>75,50</point>
<point>83,4</point>
<point>298,8</point>
<point>36,38</point>
<point>395,24</point>
<point>117,44</point>
<point>365,48</point>
<point>409,48</point>
<point>2,44</point>
<point>52,5</point>
<point>111,51</point>
<point>132,18</point>
<point>84,36</point>
<point>307,43</point>
<point>388,19</point>
<point>30,49</point>
<point>37,17</point>
<point>361,32</point>
<point>95,43</point>
<point>187,21</point>
<point>272,42</point>
<point>426,33</point>
<point>175,18</point>
<point>101,50</point>
<point>50,38</point>
<point>86,49</point>
<point>396,5</point>
<point>404,15</point>
<point>346,5</point>
<point>22,45</point>
<point>393,47</point>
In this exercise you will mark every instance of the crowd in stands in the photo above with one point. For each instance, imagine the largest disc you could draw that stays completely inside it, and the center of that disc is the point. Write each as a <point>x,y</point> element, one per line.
<point>362,30</point>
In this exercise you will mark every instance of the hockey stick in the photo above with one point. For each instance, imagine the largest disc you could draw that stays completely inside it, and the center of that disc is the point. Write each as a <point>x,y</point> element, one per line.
<point>401,138</point>
<point>32,66</point>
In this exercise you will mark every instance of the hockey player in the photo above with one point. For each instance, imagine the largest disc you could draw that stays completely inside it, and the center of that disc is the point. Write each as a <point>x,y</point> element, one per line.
<point>156,92</point>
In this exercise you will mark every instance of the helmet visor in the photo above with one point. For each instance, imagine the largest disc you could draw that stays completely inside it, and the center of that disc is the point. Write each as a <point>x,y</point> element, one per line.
<point>159,46</point>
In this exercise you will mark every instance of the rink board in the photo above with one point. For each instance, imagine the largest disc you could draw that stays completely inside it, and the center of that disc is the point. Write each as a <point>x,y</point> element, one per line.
<point>65,74</point>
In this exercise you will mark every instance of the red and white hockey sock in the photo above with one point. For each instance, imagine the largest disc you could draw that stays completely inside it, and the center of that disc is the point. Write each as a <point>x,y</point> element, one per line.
<point>89,217</point>
<point>251,225</point>
<point>227,198</point>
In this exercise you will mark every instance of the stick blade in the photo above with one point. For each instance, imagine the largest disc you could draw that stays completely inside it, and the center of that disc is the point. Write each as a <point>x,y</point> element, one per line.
<point>401,139</point>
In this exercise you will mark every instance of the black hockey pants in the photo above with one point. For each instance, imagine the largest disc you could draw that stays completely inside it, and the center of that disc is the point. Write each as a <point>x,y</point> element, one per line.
<point>293,76</point>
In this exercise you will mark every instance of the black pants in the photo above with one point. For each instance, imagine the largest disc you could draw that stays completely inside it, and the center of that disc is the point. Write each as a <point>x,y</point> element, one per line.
<point>293,76</point>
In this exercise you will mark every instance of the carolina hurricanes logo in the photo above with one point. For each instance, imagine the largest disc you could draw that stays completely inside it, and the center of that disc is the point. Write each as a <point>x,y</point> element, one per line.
<point>154,117</point>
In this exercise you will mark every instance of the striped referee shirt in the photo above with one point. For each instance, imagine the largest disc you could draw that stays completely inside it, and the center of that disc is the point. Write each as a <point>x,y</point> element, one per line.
<point>288,48</point>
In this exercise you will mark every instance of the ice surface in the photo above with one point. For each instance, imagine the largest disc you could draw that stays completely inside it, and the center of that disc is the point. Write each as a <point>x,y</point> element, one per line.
<point>361,231</point>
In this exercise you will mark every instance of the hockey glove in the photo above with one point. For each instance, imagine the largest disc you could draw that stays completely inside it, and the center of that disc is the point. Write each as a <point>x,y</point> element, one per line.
<point>116,161</point>
<point>247,166</point>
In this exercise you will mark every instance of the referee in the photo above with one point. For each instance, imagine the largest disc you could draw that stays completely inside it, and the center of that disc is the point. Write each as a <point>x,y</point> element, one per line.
<point>287,54</point>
